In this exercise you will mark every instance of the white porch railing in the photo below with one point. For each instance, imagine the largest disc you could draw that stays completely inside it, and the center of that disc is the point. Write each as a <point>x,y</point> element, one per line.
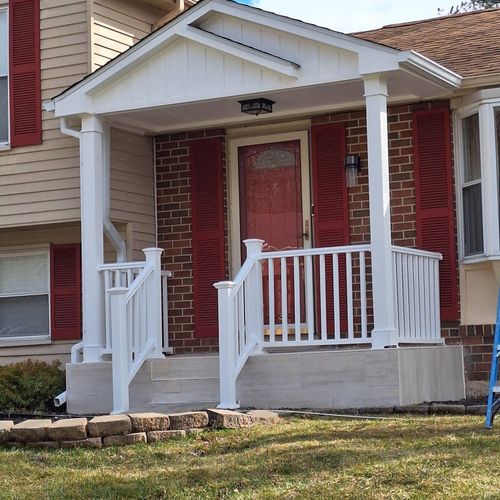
<point>135,329</point>
<point>416,290</point>
<point>318,296</point>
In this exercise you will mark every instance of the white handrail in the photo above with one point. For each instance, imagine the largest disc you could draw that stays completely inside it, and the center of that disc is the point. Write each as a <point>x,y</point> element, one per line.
<point>134,319</point>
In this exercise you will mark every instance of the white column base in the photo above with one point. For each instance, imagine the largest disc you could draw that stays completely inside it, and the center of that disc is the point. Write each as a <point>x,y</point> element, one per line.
<point>384,338</point>
<point>223,406</point>
<point>92,353</point>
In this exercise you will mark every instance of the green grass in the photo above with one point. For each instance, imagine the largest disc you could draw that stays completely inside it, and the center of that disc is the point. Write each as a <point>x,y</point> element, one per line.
<point>426,457</point>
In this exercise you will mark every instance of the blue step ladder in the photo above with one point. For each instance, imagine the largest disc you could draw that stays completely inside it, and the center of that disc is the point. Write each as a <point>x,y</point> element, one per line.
<point>494,387</point>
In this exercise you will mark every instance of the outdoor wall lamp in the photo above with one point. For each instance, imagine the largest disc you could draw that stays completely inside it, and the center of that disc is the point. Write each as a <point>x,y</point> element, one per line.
<point>257,106</point>
<point>352,164</point>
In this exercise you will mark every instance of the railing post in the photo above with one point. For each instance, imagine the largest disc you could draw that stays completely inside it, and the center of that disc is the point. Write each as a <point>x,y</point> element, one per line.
<point>227,347</point>
<point>119,358</point>
<point>153,256</point>
<point>253,296</point>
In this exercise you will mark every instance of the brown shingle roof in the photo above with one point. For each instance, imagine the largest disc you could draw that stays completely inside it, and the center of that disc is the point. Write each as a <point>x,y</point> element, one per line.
<point>468,44</point>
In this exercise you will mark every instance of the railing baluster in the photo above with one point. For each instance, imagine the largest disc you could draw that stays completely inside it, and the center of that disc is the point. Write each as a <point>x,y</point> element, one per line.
<point>336,296</point>
<point>107,308</point>
<point>421,300</point>
<point>284,300</point>
<point>362,292</point>
<point>272,298</point>
<point>241,332</point>
<point>322,287</point>
<point>350,318</point>
<point>309,297</point>
<point>296,296</point>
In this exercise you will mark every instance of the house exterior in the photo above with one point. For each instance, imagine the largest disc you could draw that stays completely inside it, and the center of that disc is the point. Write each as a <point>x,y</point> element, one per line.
<point>369,286</point>
<point>46,47</point>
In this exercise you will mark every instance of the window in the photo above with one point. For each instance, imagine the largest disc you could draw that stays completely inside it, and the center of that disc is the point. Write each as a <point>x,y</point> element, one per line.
<point>471,187</point>
<point>24,294</point>
<point>4,83</point>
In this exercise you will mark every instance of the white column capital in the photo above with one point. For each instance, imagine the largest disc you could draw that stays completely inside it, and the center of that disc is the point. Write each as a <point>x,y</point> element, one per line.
<point>375,84</point>
<point>92,123</point>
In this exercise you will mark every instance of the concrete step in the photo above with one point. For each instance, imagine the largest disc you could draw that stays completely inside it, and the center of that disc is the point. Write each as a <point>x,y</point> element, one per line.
<point>185,367</point>
<point>180,390</point>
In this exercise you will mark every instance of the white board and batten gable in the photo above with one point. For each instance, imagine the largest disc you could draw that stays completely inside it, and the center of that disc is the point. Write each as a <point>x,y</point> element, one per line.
<point>220,49</point>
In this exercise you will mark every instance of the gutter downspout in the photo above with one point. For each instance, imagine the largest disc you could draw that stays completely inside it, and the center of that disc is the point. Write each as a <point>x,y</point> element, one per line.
<point>179,9</point>
<point>110,230</point>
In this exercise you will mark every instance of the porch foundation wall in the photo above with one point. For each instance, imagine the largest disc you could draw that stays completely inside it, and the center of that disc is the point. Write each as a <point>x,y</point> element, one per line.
<point>319,379</point>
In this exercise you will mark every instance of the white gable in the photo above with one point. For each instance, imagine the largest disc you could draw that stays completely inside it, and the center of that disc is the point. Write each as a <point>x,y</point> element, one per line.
<point>221,49</point>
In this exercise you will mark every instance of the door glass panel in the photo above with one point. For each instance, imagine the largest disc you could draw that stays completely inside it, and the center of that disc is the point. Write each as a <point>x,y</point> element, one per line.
<point>271,194</point>
<point>271,210</point>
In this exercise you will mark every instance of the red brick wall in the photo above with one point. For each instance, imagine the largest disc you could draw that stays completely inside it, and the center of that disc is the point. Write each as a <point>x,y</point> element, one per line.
<point>477,341</point>
<point>174,214</point>
<point>173,184</point>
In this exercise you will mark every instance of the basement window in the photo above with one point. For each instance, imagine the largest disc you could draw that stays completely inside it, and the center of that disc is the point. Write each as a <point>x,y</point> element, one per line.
<point>24,294</point>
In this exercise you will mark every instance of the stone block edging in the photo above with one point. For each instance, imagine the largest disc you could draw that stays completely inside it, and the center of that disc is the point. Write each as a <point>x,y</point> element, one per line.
<point>119,430</point>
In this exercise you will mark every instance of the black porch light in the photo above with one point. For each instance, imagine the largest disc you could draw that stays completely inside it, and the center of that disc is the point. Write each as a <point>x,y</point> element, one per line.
<point>352,165</point>
<point>257,106</point>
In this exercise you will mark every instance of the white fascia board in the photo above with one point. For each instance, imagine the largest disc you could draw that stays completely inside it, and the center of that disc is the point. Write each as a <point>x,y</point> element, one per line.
<point>417,63</point>
<point>273,63</point>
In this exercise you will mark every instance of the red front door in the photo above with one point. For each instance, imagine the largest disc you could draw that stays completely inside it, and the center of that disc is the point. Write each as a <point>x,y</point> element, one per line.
<point>271,209</point>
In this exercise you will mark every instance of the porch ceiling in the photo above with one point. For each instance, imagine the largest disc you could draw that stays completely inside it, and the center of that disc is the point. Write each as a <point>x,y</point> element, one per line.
<point>304,101</point>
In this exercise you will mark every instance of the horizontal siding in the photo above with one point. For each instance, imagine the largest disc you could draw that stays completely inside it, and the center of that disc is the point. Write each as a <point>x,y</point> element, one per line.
<point>40,184</point>
<point>119,24</point>
<point>132,187</point>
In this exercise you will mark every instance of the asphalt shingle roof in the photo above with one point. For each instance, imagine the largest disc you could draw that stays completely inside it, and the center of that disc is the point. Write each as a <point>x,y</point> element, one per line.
<point>468,44</point>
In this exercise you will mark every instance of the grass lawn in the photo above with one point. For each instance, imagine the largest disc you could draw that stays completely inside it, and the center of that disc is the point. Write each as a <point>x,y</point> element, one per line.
<point>418,457</point>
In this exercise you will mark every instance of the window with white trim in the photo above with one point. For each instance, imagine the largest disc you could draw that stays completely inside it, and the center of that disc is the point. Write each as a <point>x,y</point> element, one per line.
<point>477,166</point>
<point>471,187</point>
<point>4,78</point>
<point>24,294</point>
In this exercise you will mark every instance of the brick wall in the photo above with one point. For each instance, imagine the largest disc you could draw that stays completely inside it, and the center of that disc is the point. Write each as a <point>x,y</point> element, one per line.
<point>174,218</point>
<point>173,184</point>
<point>477,341</point>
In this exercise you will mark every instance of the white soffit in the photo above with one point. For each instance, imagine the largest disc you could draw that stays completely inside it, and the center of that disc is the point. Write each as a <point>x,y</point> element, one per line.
<point>220,49</point>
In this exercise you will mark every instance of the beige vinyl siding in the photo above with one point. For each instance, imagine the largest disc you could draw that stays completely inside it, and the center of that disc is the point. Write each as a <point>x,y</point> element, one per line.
<point>132,188</point>
<point>117,25</point>
<point>40,184</point>
<point>54,351</point>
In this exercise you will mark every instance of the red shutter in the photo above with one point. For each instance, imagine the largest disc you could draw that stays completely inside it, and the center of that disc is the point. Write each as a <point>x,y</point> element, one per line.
<point>65,292</point>
<point>434,199</point>
<point>331,206</point>
<point>24,73</point>
<point>208,231</point>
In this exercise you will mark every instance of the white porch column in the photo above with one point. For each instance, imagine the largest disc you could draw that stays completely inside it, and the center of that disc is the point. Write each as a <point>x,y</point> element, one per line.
<point>384,332</point>
<point>92,212</point>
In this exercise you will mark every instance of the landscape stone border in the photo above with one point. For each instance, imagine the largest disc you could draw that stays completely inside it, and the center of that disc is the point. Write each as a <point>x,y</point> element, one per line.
<point>120,430</point>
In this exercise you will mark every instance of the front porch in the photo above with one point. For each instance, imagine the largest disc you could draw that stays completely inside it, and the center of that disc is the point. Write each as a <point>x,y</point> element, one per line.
<point>334,287</point>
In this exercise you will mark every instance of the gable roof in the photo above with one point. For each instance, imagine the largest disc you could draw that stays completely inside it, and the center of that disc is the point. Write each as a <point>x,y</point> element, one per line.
<point>468,44</point>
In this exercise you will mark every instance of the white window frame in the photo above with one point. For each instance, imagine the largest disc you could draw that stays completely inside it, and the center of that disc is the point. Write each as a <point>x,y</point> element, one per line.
<point>23,252</point>
<point>483,103</point>
<point>6,145</point>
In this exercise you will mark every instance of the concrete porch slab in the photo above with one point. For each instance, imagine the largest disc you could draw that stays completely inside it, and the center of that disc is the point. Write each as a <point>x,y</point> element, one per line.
<point>318,379</point>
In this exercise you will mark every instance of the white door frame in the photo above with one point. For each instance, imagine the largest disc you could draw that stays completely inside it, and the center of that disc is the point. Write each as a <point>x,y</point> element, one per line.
<point>234,190</point>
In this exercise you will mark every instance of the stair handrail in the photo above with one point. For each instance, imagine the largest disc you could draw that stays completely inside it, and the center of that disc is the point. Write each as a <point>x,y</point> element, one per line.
<point>136,326</point>
<point>237,339</point>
